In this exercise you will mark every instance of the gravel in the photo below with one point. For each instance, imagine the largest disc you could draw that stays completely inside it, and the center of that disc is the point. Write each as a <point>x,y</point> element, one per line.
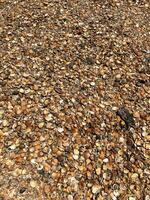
<point>74,100</point>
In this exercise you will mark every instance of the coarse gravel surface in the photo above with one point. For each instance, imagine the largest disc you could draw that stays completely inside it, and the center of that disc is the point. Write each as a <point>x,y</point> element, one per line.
<point>74,100</point>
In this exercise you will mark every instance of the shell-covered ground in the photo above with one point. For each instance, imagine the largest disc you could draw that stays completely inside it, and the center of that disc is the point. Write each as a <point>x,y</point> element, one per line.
<point>74,100</point>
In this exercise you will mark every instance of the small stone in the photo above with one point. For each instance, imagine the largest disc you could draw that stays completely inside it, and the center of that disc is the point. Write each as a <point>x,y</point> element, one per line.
<point>145,134</point>
<point>147,197</point>
<point>104,175</point>
<point>1,113</point>
<point>103,125</point>
<point>116,193</point>
<point>17,172</point>
<point>9,162</point>
<point>12,147</point>
<point>118,76</point>
<point>5,123</point>
<point>18,110</point>
<point>15,92</point>
<point>22,190</point>
<point>146,5</point>
<point>47,167</point>
<point>48,117</point>
<point>114,108</point>
<point>74,183</point>
<point>41,124</point>
<point>88,161</point>
<point>47,58</point>
<point>33,183</point>
<point>136,114</point>
<point>98,171</point>
<point>105,160</point>
<point>76,151</point>
<point>24,171</point>
<point>75,157</point>
<point>132,198</point>
<point>47,189</point>
<point>92,84</point>
<point>32,149</point>
<point>55,175</point>
<point>60,130</point>
<point>21,90</point>
<point>42,138</point>
<point>121,139</point>
<point>147,146</point>
<point>95,189</point>
<point>134,176</point>
<point>11,193</point>
<point>70,197</point>
<point>114,197</point>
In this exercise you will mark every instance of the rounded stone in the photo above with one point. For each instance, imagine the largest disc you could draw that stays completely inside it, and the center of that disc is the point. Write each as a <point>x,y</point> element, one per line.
<point>98,171</point>
<point>33,184</point>
<point>95,189</point>
<point>48,117</point>
<point>60,130</point>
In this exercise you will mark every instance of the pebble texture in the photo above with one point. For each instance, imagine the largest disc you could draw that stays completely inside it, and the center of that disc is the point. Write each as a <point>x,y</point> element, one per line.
<point>74,100</point>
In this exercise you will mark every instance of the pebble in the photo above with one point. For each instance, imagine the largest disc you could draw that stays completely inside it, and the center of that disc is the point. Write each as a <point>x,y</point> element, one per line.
<point>24,171</point>
<point>116,193</point>
<point>76,151</point>
<point>1,113</point>
<point>147,146</point>
<point>60,130</point>
<point>76,157</point>
<point>5,123</point>
<point>147,197</point>
<point>121,139</point>
<point>132,198</point>
<point>144,134</point>
<point>105,160</point>
<point>98,171</point>
<point>104,175</point>
<point>41,124</point>
<point>136,114</point>
<point>48,117</point>
<point>114,108</point>
<point>70,197</point>
<point>33,183</point>
<point>21,90</point>
<point>75,185</point>
<point>12,147</point>
<point>134,176</point>
<point>9,162</point>
<point>114,197</point>
<point>118,76</point>
<point>92,84</point>
<point>95,188</point>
